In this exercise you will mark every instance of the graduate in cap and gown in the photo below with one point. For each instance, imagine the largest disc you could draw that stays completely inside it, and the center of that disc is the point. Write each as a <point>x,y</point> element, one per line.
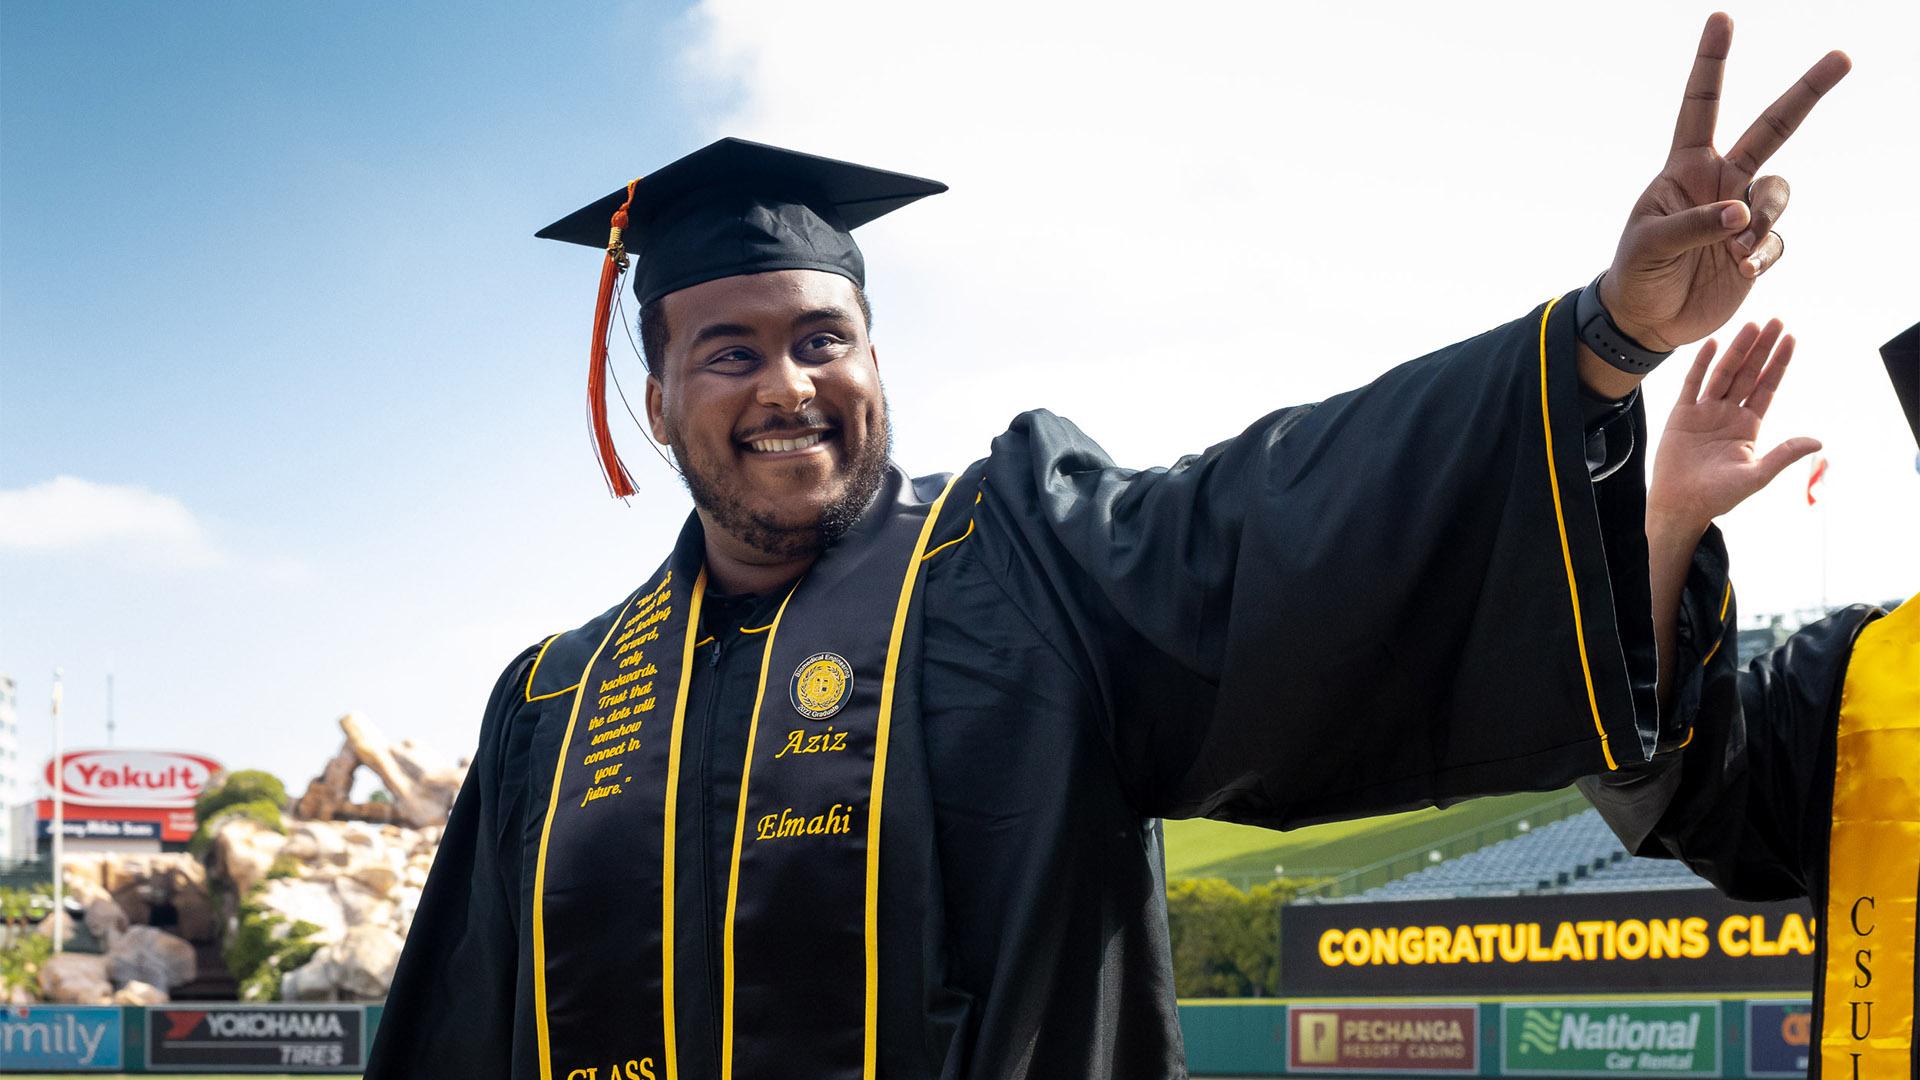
<point>1799,775</point>
<point>864,779</point>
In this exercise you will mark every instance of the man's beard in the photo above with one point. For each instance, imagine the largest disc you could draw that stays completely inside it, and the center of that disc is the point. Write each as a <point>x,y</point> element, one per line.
<point>720,498</point>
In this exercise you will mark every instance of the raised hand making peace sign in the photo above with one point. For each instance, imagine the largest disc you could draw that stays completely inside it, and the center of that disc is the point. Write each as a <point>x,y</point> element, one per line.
<point>1700,234</point>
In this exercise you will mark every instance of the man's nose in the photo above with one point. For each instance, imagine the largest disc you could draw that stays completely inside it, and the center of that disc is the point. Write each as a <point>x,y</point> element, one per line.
<point>786,385</point>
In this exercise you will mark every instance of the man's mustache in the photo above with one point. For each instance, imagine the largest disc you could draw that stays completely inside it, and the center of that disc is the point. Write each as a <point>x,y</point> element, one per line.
<point>805,421</point>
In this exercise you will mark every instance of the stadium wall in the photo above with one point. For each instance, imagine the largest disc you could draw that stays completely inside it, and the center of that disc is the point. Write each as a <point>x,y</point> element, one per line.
<point>1759,1036</point>
<point>189,1037</point>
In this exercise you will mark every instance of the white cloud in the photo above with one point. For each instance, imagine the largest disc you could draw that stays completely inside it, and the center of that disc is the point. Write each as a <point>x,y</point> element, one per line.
<point>71,514</point>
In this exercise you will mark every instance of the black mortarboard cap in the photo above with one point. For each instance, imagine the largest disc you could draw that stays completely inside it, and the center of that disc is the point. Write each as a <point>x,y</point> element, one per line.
<point>733,207</point>
<point>1902,356</point>
<point>739,207</point>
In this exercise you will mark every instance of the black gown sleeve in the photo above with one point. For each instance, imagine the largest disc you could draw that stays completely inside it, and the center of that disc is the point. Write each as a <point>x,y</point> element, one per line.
<point>1416,592</point>
<point>1744,802</point>
<point>450,1011</point>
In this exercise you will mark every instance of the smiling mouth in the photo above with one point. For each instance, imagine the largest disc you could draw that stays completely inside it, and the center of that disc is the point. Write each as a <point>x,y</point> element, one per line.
<point>781,446</point>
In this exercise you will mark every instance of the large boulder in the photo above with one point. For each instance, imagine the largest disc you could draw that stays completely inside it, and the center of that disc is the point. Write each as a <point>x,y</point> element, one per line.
<point>380,878</point>
<point>311,981</point>
<point>315,843</point>
<point>242,852</point>
<point>361,963</point>
<point>76,979</point>
<point>297,900</point>
<point>149,955</point>
<point>139,993</point>
<point>83,876</point>
<point>406,901</point>
<point>361,905</point>
<point>105,918</point>
<point>59,922</point>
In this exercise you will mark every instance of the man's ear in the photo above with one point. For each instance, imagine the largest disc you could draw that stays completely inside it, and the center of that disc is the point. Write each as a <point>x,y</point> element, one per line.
<point>657,409</point>
<point>874,351</point>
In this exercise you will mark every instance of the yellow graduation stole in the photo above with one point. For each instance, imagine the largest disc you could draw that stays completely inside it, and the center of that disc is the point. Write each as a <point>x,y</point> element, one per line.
<point>1867,997</point>
<point>800,967</point>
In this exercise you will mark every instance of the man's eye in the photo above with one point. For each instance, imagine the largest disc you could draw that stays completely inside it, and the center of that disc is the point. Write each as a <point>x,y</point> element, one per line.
<point>822,343</point>
<point>734,357</point>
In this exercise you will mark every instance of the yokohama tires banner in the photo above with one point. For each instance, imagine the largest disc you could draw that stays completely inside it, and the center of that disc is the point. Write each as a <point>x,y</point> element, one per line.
<point>256,1038</point>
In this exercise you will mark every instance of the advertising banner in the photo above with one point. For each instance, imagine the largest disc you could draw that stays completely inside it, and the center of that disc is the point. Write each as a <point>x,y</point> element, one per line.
<point>85,821</point>
<point>1610,1039</point>
<point>1779,1038</point>
<point>1584,943</point>
<point>60,1037</point>
<point>151,778</point>
<point>1376,1039</point>
<point>103,829</point>
<point>256,1038</point>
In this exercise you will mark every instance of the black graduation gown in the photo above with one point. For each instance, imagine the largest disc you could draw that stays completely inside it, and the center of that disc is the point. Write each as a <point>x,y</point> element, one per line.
<point>1748,802</point>
<point>1357,607</point>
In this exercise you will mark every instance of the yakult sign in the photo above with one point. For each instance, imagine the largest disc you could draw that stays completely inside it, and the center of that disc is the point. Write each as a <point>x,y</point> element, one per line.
<point>153,779</point>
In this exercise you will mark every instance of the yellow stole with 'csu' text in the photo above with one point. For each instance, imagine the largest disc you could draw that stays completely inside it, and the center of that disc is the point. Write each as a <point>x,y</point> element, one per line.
<point>1868,989</point>
<point>799,993</point>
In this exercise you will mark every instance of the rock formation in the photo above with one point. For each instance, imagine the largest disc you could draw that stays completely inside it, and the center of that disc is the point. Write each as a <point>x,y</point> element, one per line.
<point>358,966</point>
<point>149,888</point>
<point>147,955</point>
<point>119,957</point>
<point>76,979</point>
<point>315,913</point>
<point>353,884</point>
<point>421,793</point>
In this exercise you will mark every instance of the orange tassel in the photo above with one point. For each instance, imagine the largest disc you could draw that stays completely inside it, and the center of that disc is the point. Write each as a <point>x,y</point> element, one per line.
<point>618,480</point>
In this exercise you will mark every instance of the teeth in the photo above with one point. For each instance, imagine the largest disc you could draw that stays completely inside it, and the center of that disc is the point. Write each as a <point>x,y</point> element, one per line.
<point>775,446</point>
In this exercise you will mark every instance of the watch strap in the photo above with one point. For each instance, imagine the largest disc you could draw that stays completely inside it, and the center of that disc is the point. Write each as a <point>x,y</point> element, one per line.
<point>1600,333</point>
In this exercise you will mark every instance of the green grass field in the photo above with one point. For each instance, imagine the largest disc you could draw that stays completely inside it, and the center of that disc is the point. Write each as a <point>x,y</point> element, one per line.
<point>1244,855</point>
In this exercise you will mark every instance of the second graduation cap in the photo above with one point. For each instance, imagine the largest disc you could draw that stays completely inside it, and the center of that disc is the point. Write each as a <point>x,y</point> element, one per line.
<point>732,207</point>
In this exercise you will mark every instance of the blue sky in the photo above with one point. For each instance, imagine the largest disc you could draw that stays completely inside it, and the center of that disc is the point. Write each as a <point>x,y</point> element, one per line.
<point>270,303</point>
<point>274,262</point>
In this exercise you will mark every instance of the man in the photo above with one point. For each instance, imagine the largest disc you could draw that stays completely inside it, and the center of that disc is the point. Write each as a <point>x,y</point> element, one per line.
<point>1801,774</point>
<point>863,780</point>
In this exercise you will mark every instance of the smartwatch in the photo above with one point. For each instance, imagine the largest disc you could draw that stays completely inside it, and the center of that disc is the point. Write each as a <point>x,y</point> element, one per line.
<point>1600,333</point>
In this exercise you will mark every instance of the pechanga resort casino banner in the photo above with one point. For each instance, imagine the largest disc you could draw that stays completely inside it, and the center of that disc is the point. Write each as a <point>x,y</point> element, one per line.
<point>1375,1039</point>
<point>1684,939</point>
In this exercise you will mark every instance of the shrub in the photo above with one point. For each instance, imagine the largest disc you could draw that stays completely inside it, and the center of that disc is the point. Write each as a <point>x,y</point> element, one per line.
<point>20,961</point>
<point>1225,940</point>
<point>24,905</point>
<point>244,786</point>
<point>260,810</point>
<point>262,947</point>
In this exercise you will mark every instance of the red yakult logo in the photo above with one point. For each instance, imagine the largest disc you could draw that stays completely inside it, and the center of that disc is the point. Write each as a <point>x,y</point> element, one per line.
<point>159,778</point>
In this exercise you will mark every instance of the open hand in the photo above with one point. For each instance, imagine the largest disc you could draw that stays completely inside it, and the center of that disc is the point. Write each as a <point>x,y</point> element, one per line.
<point>1693,245</point>
<point>1707,463</point>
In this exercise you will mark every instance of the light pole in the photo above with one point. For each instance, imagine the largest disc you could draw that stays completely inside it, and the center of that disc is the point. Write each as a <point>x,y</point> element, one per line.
<point>59,822</point>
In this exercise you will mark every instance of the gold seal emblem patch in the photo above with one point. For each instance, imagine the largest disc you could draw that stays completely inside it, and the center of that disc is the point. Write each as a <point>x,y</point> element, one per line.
<point>821,685</point>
